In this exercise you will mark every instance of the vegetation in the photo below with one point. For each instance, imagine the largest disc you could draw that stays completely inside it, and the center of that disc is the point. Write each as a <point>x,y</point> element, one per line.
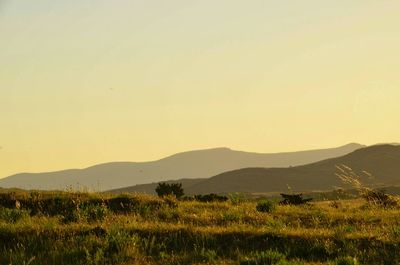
<point>293,199</point>
<point>91,228</point>
<point>165,189</point>
<point>265,206</point>
<point>212,197</point>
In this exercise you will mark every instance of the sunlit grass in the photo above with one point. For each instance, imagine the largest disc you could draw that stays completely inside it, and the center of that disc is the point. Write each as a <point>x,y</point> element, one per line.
<point>153,231</point>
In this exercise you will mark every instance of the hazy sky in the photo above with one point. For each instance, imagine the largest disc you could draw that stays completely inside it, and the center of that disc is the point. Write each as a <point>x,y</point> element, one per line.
<point>84,82</point>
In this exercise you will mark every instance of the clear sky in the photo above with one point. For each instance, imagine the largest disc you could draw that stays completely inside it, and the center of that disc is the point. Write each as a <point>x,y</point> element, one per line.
<point>84,82</point>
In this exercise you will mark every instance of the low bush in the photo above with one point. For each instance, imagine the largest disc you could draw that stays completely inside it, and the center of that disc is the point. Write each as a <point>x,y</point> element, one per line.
<point>212,197</point>
<point>171,201</point>
<point>125,204</point>
<point>93,213</point>
<point>293,199</point>
<point>266,206</point>
<point>164,189</point>
<point>13,215</point>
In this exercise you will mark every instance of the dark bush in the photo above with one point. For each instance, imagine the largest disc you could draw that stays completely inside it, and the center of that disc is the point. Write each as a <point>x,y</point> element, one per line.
<point>164,189</point>
<point>265,206</point>
<point>210,198</point>
<point>13,215</point>
<point>94,213</point>
<point>127,204</point>
<point>122,204</point>
<point>293,199</point>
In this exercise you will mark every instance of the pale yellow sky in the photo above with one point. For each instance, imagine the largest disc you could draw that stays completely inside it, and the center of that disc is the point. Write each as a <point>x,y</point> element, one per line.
<point>84,82</point>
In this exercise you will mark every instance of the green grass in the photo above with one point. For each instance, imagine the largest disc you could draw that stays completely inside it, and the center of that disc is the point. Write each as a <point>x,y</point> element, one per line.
<point>83,228</point>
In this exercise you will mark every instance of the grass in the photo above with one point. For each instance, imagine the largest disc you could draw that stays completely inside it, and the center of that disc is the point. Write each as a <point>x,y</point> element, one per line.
<point>85,228</point>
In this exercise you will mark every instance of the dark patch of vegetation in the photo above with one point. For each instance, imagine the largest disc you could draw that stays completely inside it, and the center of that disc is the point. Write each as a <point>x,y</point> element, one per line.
<point>212,197</point>
<point>293,199</point>
<point>165,189</point>
<point>265,206</point>
<point>13,215</point>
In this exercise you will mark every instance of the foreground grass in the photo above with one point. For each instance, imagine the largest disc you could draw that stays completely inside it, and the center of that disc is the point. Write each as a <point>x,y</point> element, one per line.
<point>102,229</point>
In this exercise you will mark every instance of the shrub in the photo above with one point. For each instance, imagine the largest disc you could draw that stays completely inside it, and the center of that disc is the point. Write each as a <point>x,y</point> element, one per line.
<point>168,214</point>
<point>118,241</point>
<point>212,197</point>
<point>207,256</point>
<point>265,206</point>
<point>93,213</point>
<point>125,204</point>
<point>13,215</point>
<point>293,199</point>
<point>164,189</point>
<point>171,201</point>
<point>122,204</point>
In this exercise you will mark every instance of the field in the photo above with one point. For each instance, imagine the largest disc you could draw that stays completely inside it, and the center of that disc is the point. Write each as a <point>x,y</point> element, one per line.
<point>92,228</point>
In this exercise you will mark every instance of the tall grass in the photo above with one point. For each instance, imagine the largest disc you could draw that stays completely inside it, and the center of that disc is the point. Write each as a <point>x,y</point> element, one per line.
<point>137,229</point>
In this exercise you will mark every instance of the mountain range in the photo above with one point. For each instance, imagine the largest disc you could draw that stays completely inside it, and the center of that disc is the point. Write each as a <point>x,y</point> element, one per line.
<point>376,166</point>
<point>190,166</point>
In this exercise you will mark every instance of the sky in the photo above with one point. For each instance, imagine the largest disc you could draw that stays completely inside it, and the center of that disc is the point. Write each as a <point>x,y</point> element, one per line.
<point>91,81</point>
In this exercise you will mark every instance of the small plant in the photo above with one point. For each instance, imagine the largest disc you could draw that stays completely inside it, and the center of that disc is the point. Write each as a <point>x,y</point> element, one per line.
<point>13,215</point>
<point>119,241</point>
<point>94,213</point>
<point>229,217</point>
<point>265,206</point>
<point>265,258</point>
<point>206,255</point>
<point>164,189</point>
<point>171,201</point>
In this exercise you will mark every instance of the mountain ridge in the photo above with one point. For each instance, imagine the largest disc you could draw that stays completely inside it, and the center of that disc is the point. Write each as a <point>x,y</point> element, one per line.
<point>383,161</point>
<point>191,164</point>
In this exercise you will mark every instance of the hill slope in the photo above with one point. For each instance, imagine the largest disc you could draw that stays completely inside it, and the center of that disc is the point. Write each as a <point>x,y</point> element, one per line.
<point>383,161</point>
<point>194,164</point>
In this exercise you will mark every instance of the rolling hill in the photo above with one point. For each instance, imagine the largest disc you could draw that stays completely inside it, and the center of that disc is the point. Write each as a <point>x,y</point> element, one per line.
<point>189,165</point>
<point>383,161</point>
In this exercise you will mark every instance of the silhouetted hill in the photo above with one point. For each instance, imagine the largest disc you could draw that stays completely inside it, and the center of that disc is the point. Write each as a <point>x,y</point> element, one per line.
<point>383,161</point>
<point>190,165</point>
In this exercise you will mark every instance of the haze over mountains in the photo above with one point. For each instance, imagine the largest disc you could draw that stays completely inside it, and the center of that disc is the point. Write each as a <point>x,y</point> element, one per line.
<point>189,165</point>
<point>383,161</point>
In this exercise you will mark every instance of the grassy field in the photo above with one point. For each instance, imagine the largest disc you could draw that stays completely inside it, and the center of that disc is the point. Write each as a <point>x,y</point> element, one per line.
<point>91,228</point>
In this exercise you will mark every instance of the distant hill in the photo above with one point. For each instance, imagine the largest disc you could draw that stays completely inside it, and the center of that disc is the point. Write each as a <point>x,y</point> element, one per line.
<point>383,161</point>
<point>189,165</point>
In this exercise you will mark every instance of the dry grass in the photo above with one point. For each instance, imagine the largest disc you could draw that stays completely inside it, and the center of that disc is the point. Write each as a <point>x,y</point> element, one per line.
<point>205,233</point>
